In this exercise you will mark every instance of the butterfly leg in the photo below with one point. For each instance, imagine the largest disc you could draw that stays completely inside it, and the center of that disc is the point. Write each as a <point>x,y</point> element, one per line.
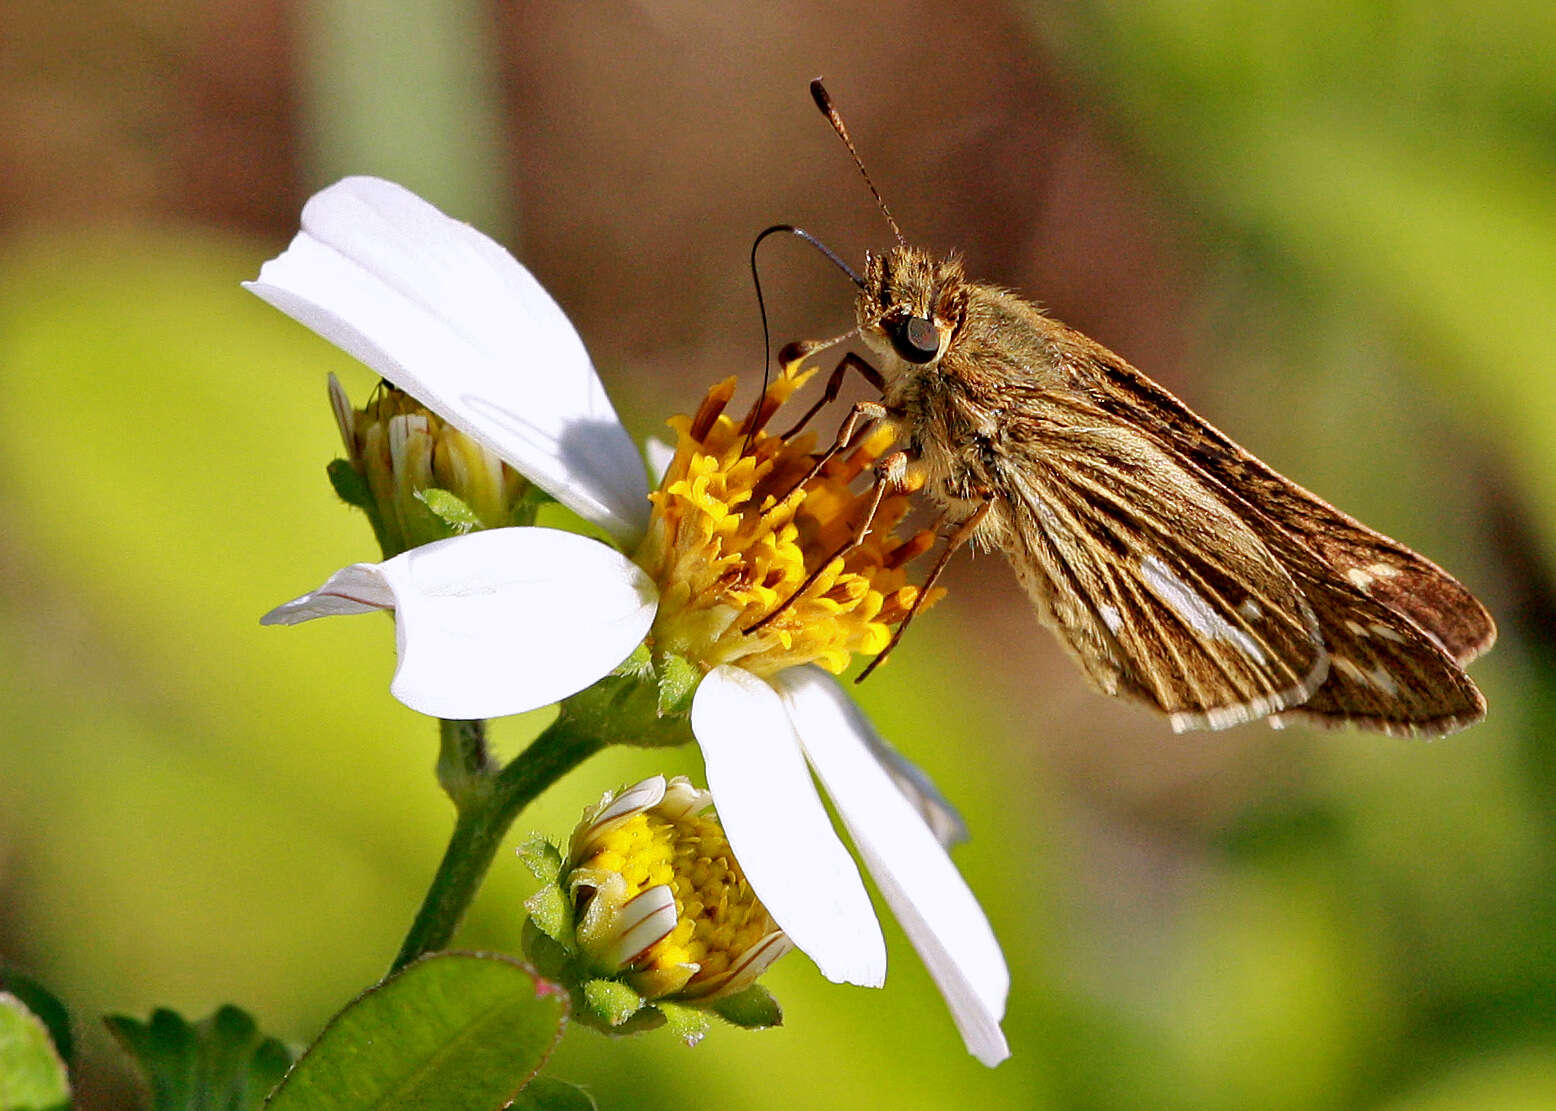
<point>963,533</point>
<point>863,413</point>
<point>849,362</point>
<point>891,473</point>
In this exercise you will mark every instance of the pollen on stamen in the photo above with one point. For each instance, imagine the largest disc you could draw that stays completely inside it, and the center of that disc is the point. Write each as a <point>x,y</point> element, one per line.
<point>733,536</point>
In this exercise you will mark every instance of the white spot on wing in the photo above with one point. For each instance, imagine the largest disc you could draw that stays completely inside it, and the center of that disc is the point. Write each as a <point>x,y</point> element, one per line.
<point>1111,618</point>
<point>1387,634</point>
<point>1194,610</point>
<point>1348,669</point>
<point>1380,678</point>
<point>1359,578</point>
<point>1250,609</point>
<point>1382,570</point>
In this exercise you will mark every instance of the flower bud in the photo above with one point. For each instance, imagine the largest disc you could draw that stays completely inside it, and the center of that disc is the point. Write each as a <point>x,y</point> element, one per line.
<point>650,908</point>
<point>418,478</point>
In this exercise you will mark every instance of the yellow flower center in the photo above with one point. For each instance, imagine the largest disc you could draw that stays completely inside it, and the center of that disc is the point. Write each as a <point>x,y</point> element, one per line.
<point>733,537</point>
<point>718,917</point>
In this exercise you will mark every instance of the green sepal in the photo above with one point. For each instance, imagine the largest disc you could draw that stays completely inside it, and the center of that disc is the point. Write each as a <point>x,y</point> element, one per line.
<point>542,858</point>
<point>221,1061</point>
<point>350,487</point>
<point>450,509</point>
<point>619,710</point>
<point>553,959</point>
<point>32,1073</point>
<point>552,914</point>
<point>528,505</point>
<point>353,489</point>
<point>687,1023</point>
<point>751,1009</point>
<point>609,1006</point>
<point>46,1006</point>
<point>639,665</point>
<point>678,679</point>
<point>546,1093</point>
<point>613,1003</point>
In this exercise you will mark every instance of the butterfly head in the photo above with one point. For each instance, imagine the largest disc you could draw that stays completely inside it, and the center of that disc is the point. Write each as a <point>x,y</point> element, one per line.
<point>911,304</point>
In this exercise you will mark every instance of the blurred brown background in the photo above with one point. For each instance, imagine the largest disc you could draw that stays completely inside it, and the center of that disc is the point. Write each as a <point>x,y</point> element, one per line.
<point>1328,227</point>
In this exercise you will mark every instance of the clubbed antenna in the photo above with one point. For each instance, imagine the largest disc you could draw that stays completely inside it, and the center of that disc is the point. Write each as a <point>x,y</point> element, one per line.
<point>818,93</point>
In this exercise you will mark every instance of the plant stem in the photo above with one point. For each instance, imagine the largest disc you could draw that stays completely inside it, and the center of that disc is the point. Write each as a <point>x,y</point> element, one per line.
<point>464,762</point>
<point>488,801</point>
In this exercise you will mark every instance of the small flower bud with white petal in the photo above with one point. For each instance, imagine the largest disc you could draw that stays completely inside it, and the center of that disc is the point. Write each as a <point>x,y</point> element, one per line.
<point>650,909</point>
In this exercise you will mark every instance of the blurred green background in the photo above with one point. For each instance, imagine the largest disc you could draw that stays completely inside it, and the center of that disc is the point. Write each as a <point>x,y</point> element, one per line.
<point>1331,227</point>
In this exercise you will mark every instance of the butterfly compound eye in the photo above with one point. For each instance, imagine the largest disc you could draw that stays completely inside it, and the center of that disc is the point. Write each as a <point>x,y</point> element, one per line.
<point>916,339</point>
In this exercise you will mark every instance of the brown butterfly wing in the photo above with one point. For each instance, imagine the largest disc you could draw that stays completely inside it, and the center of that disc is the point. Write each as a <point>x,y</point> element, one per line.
<point>1383,569</point>
<point>1152,582</point>
<point>1385,673</point>
<point>1397,627</point>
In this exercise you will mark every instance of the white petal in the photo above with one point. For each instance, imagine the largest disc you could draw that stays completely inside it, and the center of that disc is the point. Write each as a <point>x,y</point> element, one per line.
<point>943,819</point>
<point>646,920</point>
<point>778,829</point>
<point>496,622</point>
<point>749,966</point>
<point>641,796</point>
<point>682,800</point>
<point>450,317</point>
<point>360,588</point>
<point>660,454</point>
<point>746,969</point>
<point>911,868</point>
<point>505,620</point>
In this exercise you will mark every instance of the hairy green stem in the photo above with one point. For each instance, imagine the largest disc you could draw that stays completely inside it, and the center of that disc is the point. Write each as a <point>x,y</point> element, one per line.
<point>464,762</point>
<point>488,801</point>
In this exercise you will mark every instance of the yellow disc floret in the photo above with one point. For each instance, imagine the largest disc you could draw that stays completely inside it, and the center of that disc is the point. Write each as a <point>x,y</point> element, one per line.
<point>631,862</point>
<point>735,535</point>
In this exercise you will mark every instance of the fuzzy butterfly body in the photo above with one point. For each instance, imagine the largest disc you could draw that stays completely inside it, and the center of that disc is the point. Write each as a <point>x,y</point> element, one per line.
<point>1174,566</point>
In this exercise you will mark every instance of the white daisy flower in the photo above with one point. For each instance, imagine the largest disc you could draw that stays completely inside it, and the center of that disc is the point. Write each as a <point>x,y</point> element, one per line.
<point>506,620</point>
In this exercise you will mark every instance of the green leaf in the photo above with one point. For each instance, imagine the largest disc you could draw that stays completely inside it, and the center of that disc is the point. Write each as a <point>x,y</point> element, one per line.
<point>688,1023</point>
<point>450,1032</point>
<point>546,1094</point>
<point>32,1076</point>
<point>41,1002</point>
<point>752,1009</point>
<point>221,1062</point>
<point>450,509</point>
